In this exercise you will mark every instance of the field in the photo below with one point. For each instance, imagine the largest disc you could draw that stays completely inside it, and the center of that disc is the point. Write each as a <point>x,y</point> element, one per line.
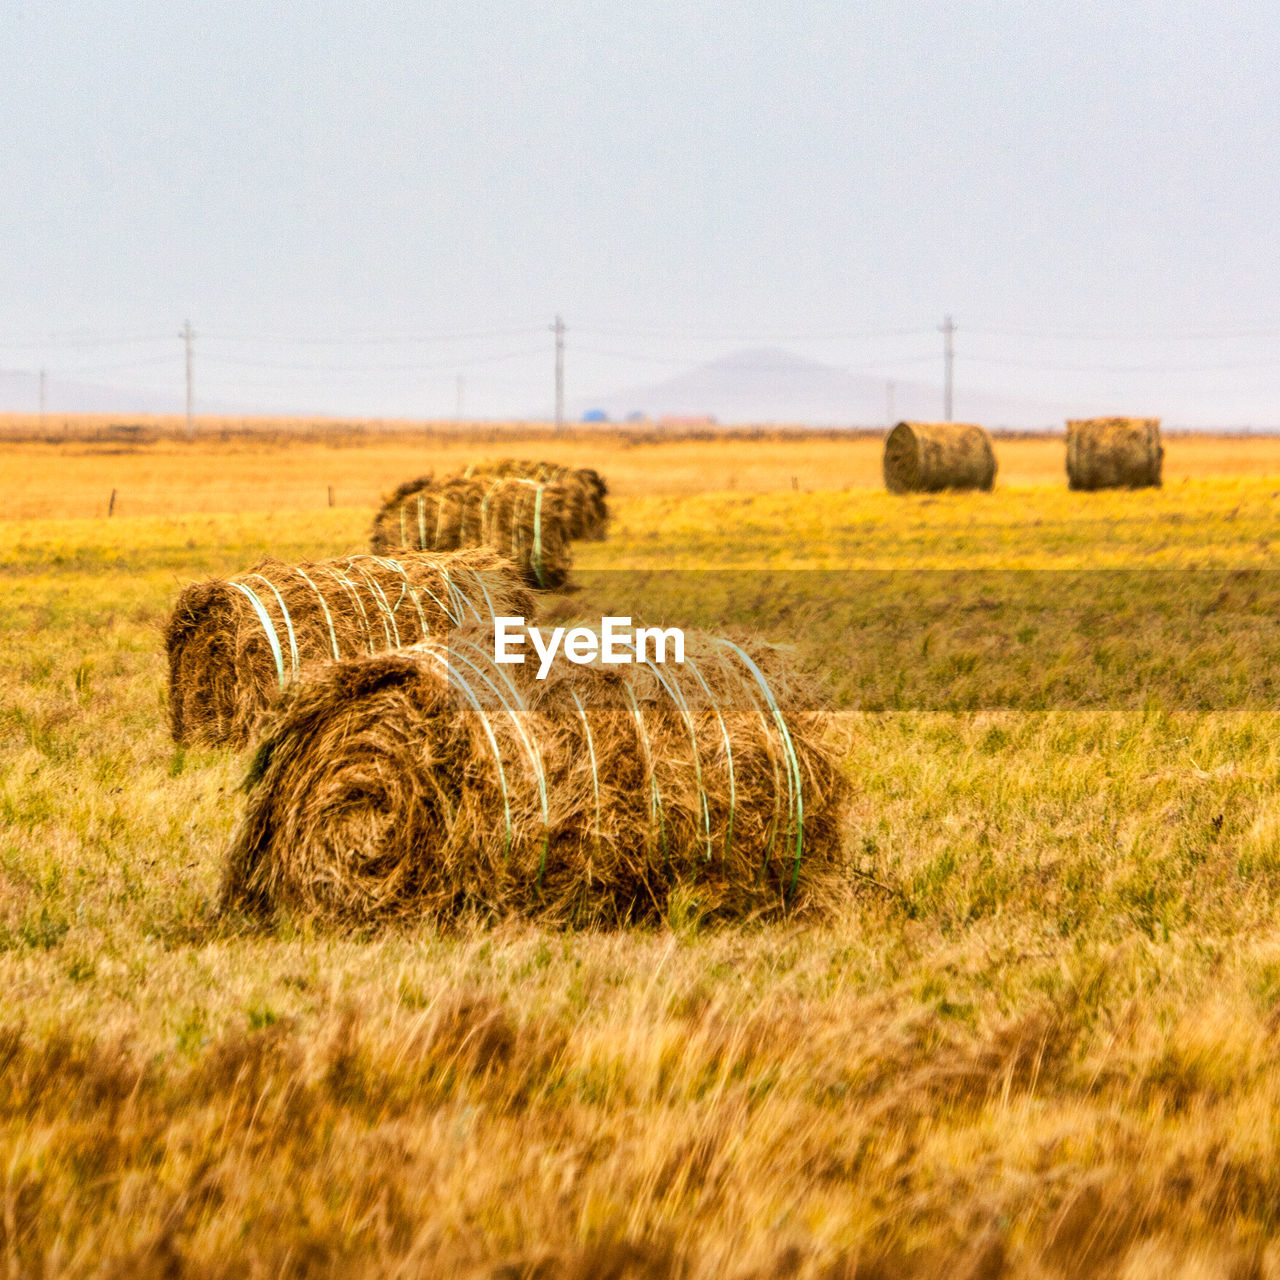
<point>1041,1039</point>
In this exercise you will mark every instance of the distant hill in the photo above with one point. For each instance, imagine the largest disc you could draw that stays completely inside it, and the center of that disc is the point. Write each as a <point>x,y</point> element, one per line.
<point>772,385</point>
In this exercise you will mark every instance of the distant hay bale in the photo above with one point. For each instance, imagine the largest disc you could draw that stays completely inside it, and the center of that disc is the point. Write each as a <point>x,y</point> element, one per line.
<point>524,520</point>
<point>234,643</point>
<point>432,783</point>
<point>586,511</point>
<point>1114,453</point>
<point>927,457</point>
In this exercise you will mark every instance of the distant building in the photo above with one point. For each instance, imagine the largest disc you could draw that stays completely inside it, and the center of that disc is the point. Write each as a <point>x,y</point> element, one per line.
<point>595,415</point>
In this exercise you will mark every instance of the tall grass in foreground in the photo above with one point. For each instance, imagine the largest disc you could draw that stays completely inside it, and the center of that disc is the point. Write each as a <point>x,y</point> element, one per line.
<point>1040,1038</point>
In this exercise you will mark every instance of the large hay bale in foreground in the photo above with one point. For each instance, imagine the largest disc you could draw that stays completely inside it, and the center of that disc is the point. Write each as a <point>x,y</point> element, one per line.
<point>524,520</point>
<point>234,643</point>
<point>927,457</point>
<point>1114,453</point>
<point>586,511</point>
<point>433,782</point>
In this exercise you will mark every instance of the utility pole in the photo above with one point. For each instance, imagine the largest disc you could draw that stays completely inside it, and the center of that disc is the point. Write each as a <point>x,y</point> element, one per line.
<point>42,400</point>
<point>462,383</point>
<point>888,396</point>
<point>187,337</point>
<point>558,330</point>
<point>947,330</point>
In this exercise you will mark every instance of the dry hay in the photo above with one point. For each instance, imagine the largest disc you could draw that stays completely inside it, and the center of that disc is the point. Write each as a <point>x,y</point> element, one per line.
<point>432,783</point>
<point>234,643</point>
<point>927,457</point>
<point>1114,453</point>
<point>586,511</point>
<point>523,520</point>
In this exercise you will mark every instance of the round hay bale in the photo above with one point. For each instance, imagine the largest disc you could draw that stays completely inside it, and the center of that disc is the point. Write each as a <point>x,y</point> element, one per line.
<point>586,511</point>
<point>234,643</point>
<point>1114,453</point>
<point>433,783</point>
<point>927,457</point>
<point>524,520</point>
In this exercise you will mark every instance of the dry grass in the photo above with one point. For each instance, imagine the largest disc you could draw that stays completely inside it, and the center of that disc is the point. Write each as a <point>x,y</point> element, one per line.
<point>279,471</point>
<point>1039,1040</point>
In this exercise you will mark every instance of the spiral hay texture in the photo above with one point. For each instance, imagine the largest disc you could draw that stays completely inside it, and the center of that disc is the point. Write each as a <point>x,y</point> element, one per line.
<point>433,783</point>
<point>524,520</point>
<point>233,644</point>
<point>1114,453</point>
<point>586,511</point>
<point>927,457</point>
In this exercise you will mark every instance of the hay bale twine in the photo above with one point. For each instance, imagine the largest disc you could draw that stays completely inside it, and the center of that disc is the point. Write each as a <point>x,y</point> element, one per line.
<point>1114,453</point>
<point>523,520</point>
<point>927,457</point>
<point>234,643</point>
<point>433,783</point>
<point>586,510</point>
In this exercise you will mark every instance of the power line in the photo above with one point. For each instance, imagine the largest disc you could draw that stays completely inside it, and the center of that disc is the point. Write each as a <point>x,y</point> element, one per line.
<point>1176,367</point>
<point>688,332</point>
<point>116,364</point>
<point>752,365</point>
<point>385,340</point>
<point>71,340</point>
<point>700,333</point>
<point>399,367</point>
<point>1138,334</point>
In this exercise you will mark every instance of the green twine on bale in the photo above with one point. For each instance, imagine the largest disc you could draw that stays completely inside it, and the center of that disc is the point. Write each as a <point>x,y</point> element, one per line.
<point>324,606</point>
<point>469,694</point>
<point>288,622</point>
<point>655,795</point>
<point>673,691</point>
<point>793,763</point>
<point>535,756</point>
<point>591,753</point>
<point>537,537</point>
<point>267,626</point>
<point>728,751</point>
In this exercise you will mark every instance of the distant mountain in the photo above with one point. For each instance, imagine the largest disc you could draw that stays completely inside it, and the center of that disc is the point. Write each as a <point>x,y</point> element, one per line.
<point>772,385</point>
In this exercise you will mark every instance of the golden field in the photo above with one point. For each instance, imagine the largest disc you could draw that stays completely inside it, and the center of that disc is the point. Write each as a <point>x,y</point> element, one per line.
<point>1041,1038</point>
<point>47,475</point>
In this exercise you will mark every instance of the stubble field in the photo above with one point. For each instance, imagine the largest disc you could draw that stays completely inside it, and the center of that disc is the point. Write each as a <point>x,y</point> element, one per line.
<point>1042,1038</point>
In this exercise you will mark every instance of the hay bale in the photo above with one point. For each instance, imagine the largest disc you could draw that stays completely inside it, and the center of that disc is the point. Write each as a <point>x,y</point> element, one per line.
<point>524,520</point>
<point>1114,453</point>
<point>432,782</point>
<point>927,457</point>
<point>234,643</point>
<point>587,512</point>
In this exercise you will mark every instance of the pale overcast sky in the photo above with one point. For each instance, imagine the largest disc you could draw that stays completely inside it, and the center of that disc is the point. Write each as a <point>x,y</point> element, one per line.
<point>1091,189</point>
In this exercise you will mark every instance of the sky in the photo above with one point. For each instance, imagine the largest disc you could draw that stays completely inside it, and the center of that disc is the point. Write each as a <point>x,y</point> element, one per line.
<point>358,205</point>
